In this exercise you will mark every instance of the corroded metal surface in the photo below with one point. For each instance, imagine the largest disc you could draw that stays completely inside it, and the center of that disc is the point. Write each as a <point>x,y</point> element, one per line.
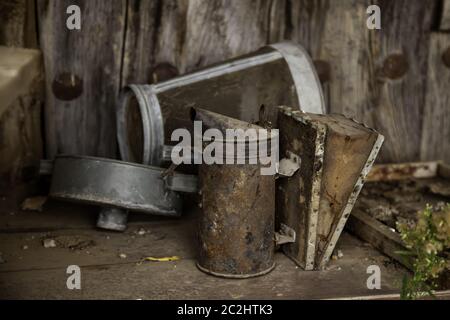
<point>298,197</point>
<point>236,227</point>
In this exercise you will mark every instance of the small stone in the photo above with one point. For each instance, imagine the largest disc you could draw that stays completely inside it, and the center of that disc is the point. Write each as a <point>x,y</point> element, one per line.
<point>334,257</point>
<point>141,232</point>
<point>340,254</point>
<point>49,243</point>
<point>24,247</point>
<point>34,203</point>
<point>122,256</point>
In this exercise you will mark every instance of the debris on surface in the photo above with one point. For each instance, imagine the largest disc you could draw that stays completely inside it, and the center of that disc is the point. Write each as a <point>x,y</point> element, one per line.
<point>141,232</point>
<point>440,188</point>
<point>34,203</point>
<point>122,256</point>
<point>1,259</point>
<point>338,255</point>
<point>69,242</point>
<point>49,243</point>
<point>24,247</point>
<point>162,259</point>
<point>397,202</point>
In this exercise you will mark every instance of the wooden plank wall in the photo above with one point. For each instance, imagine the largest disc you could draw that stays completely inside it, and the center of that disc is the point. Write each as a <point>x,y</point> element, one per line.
<point>378,77</point>
<point>18,23</point>
<point>83,70</point>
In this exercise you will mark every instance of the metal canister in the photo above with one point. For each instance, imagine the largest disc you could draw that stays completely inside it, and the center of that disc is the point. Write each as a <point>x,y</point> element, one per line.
<point>244,88</point>
<point>119,186</point>
<point>236,226</point>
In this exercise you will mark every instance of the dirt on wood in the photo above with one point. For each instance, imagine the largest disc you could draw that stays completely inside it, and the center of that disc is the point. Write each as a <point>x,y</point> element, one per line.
<point>393,202</point>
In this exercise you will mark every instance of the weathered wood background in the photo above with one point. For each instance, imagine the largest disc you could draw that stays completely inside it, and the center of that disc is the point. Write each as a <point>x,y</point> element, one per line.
<point>395,79</point>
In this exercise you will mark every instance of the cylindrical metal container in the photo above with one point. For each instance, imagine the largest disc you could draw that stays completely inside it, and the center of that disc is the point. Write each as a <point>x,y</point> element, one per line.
<point>243,87</point>
<point>114,184</point>
<point>236,226</point>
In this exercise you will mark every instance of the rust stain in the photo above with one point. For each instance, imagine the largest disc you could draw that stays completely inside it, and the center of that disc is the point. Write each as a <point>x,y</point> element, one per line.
<point>395,66</point>
<point>67,86</point>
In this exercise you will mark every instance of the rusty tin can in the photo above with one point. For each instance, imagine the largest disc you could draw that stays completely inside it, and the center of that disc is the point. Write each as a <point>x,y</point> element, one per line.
<point>236,227</point>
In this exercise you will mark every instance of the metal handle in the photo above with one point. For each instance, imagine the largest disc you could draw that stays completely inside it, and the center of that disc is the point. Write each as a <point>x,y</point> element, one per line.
<point>182,183</point>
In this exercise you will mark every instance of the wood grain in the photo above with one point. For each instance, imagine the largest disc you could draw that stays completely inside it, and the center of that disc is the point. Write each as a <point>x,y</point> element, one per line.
<point>375,76</point>
<point>18,24</point>
<point>400,102</point>
<point>142,25</point>
<point>436,121</point>
<point>88,60</point>
<point>336,32</point>
<point>445,19</point>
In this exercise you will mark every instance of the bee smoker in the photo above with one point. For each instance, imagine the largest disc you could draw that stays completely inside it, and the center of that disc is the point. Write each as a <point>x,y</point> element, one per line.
<point>236,227</point>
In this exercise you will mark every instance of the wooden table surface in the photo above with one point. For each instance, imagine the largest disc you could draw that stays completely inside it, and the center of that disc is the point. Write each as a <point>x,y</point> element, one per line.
<point>34,272</point>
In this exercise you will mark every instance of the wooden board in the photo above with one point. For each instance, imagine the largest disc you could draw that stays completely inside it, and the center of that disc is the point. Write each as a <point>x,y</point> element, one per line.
<point>18,18</point>
<point>170,37</point>
<point>375,76</point>
<point>380,235</point>
<point>142,23</point>
<point>445,18</point>
<point>362,81</point>
<point>377,234</point>
<point>40,273</point>
<point>82,75</point>
<point>21,101</point>
<point>436,119</point>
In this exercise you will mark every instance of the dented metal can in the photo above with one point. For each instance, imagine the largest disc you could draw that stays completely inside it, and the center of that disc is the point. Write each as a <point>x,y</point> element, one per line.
<point>236,226</point>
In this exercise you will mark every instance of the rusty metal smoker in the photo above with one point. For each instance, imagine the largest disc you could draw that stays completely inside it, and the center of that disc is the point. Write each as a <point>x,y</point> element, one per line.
<point>236,227</point>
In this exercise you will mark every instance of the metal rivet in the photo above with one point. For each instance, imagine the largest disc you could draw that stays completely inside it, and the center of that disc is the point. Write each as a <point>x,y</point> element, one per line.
<point>446,57</point>
<point>395,66</point>
<point>67,86</point>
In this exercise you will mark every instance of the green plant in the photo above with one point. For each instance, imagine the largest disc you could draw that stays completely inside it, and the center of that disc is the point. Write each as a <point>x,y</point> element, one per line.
<point>426,241</point>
